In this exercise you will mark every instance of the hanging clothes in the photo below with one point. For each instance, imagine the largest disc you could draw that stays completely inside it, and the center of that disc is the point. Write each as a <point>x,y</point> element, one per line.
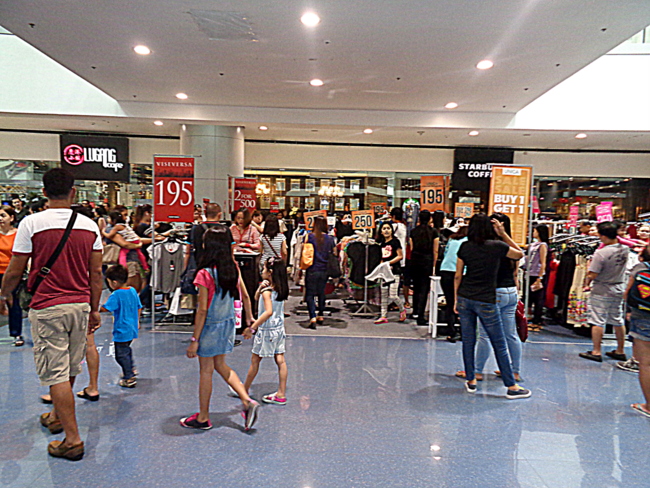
<point>168,262</point>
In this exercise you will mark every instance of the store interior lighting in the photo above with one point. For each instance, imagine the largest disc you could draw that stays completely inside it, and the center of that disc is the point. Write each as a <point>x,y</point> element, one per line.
<point>262,189</point>
<point>330,191</point>
<point>310,19</point>
<point>485,64</point>
<point>182,96</point>
<point>451,105</point>
<point>316,82</point>
<point>142,50</point>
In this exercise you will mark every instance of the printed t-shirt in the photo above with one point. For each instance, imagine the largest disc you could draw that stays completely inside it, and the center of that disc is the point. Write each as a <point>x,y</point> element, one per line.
<point>481,269</point>
<point>124,305</point>
<point>389,252</point>
<point>6,245</point>
<point>610,263</point>
<point>69,279</point>
<point>400,234</point>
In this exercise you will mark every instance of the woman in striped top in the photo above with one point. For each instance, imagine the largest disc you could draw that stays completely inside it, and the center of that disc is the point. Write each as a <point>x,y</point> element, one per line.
<point>274,243</point>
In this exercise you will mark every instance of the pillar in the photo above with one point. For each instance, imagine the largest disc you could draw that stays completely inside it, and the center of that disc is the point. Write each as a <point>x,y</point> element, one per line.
<point>219,152</point>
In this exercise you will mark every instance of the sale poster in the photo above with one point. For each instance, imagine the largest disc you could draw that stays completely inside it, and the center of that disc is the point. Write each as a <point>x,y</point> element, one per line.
<point>535,206</point>
<point>464,210</point>
<point>173,188</point>
<point>310,216</point>
<point>574,212</point>
<point>510,194</point>
<point>432,193</point>
<point>604,212</point>
<point>378,207</point>
<point>363,220</point>
<point>244,195</point>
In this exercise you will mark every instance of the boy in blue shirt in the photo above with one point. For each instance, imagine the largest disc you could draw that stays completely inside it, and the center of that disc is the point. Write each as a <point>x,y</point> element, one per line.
<point>125,306</point>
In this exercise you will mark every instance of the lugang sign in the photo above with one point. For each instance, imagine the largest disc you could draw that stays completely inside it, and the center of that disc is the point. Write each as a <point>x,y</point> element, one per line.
<point>173,188</point>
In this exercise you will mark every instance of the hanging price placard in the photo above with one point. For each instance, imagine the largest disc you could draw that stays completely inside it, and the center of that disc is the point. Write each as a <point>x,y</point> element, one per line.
<point>510,194</point>
<point>363,220</point>
<point>173,188</point>
<point>432,193</point>
<point>310,216</point>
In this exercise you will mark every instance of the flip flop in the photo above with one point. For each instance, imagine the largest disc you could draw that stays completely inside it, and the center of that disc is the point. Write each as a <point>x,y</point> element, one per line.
<point>84,394</point>
<point>45,400</point>
<point>461,374</point>
<point>637,407</point>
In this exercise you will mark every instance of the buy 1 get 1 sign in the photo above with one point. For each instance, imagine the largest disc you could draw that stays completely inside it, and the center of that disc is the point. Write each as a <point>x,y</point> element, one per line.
<point>173,189</point>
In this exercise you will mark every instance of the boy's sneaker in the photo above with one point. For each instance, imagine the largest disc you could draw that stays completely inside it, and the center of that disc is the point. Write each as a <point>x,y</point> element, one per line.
<point>250,414</point>
<point>517,394</point>
<point>274,399</point>
<point>192,422</point>
<point>631,365</point>
<point>130,383</point>
<point>469,387</point>
<point>381,320</point>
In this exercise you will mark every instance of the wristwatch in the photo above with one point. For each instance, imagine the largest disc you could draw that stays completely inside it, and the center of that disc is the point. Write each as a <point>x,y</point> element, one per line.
<point>193,339</point>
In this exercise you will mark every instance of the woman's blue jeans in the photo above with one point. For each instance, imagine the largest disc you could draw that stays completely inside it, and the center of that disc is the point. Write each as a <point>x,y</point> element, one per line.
<point>507,300</point>
<point>471,310</point>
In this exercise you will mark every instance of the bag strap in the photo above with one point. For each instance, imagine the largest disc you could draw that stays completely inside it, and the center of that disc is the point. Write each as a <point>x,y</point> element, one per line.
<point>271,246</point>
<point>45,270</point>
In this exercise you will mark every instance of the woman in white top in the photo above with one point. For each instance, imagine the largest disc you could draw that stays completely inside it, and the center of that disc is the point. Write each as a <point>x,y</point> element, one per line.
<point>274,243</point>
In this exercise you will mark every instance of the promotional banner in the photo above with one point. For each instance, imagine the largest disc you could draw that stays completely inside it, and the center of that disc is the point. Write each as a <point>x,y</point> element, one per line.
<point>97,158</point>
<point>604,212</point>
<point>473,167</point>
<point>535,206</point>
<point>363,220</point>
<point>464,210</point>
<point>574,212</point>
<point>310,216</point>
<point>275,207</point>
<point>432,193</point>
<point>173,189</point>
<point>510,194</point>
<point>244,194</point>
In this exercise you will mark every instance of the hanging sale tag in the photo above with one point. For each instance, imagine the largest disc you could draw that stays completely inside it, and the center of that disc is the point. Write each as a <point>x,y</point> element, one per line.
<point>510,194</point>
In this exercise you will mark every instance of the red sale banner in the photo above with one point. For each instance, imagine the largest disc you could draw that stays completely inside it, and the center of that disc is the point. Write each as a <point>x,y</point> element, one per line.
<point>244,193</point>
<point>574,213</point>
<point>604,212</point>
<point>173,188</point>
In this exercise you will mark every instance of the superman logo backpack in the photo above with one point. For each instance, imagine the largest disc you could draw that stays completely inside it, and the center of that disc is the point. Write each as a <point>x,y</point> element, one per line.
<point>639,295</point>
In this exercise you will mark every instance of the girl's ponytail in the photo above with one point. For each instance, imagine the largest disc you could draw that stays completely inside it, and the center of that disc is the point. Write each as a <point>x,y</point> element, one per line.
<point>278,270</point>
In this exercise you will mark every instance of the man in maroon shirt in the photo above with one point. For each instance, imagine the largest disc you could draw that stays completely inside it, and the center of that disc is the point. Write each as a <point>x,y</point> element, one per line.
<point>66,304</point>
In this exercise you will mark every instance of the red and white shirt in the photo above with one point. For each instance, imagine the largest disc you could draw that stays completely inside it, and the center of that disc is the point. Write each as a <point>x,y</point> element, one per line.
<point>69,280</point>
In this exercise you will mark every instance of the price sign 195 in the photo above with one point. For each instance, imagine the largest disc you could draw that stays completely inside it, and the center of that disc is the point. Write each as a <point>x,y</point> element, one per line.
<point>363,219</point>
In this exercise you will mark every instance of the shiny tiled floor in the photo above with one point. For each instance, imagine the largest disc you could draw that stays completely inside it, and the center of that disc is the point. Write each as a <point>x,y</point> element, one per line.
<point>361,413</point>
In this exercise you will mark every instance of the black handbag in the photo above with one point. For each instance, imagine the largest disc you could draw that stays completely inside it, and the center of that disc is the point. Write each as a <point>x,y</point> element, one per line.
<point>25,293</point>
<point>333,267</point>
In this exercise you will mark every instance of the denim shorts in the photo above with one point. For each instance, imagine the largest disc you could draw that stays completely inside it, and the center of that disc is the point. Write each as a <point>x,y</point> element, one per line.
<point>269,342</point>
<point>217,338</point>
<point>640,325</point>
<point>605,311</point>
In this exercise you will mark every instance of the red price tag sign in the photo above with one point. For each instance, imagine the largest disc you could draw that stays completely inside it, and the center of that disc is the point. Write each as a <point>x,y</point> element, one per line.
<point>173,189</point>
<point>244,194</point>
<point>310,216</point>
<point>363,219</point>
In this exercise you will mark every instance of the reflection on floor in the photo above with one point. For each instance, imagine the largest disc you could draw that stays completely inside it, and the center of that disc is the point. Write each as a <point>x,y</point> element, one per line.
<point>362,412</point>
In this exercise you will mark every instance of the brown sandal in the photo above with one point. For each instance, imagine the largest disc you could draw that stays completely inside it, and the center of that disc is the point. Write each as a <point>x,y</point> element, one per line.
<point>60,450</point>
<point>53,425</point>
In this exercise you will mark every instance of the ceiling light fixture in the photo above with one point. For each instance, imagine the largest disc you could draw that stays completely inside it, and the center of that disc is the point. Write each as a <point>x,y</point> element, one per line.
<point>181,96</point>
<point>316,82</point>
<point>451,105</point>
<point>263,127</point>
<point>310,19</point>
<point>368,131</point>
<point>582,135</point>
<point>142,50</point>
<point>473,133</point>
<point>485,64</point>
<point>158,122</point>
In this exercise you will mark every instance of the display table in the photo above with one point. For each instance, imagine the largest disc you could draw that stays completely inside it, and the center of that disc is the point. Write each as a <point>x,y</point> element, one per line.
<point>434,293</point>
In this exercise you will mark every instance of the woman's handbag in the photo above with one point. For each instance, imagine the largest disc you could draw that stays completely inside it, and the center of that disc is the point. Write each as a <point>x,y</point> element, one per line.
<point>333,267</point>
<point>111,254</point>
<point>522,321</point>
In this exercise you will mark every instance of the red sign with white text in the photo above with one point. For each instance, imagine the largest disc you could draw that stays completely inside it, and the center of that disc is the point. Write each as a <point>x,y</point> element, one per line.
<point>173,193</point>
<point>244,194</point>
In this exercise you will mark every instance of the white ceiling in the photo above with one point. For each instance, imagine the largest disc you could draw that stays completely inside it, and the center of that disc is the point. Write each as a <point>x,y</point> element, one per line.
<point>360,49</point>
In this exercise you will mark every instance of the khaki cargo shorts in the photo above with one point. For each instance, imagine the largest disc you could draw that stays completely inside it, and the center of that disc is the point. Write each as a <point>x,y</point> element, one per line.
<point>59,334</point>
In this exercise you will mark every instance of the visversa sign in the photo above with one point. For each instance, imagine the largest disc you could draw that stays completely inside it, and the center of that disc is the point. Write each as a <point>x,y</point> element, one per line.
<point>97,158</point>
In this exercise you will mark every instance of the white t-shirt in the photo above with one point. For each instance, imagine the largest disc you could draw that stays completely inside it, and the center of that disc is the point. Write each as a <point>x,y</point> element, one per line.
<point>400,233</point>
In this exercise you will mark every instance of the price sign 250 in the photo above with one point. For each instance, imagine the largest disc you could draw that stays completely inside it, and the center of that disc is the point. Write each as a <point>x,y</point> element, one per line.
<point>363,219</point>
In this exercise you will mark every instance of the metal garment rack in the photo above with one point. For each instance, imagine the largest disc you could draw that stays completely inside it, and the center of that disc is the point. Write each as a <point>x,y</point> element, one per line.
<point>365,310</point>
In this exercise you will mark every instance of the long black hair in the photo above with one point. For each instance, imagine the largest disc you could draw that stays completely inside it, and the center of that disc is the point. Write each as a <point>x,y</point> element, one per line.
<point>504,219</point>
<point>278,270</point>
<point>217,253</point>
<point>271,226</point>
<point>480,229</point>
<point>542,232</point>
<point>320,229</point>
<point>381,239</point>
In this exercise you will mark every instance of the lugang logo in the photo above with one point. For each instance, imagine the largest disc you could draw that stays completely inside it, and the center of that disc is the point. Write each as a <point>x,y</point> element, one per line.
<point>75,155</point>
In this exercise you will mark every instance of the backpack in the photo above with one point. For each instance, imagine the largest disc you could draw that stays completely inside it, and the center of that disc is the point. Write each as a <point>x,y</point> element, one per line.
<point>639,295</point>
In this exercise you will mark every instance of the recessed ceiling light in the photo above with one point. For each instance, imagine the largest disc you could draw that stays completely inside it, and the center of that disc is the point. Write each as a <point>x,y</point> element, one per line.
<point>316,82</point>
<point>473,133</point>
<point>310,19</point>
<point>485,64</point>
<point>263,127</point>
<point>181,96</point>
<point>142,50</point>
<point>367,131</point>
<point>158,122</point>
<point>581,136</point>
<point>451,105</point>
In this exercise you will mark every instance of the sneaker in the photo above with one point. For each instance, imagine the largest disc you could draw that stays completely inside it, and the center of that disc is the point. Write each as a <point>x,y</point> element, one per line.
<point>381,320</point>
<point>130,383</point>
<point>516,394</point>
<point>631,365</point>
<point>250,414</point>
<point>402,316</point>
<point>469,387</point>
<point>192,422</point>
<point>237,343</point>
<point>19,341</point>
<point>274,399</point>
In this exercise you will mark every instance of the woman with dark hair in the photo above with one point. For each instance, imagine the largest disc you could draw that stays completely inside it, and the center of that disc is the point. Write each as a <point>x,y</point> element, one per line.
<point>480,258</point>
<point>244,234</point>
<point>438,219</point>
<point>7,237</point>
<point>536,266</point>
<point>447,274</point>
<point>507,299</point>
<point>391,253</point>
<point>316,276</point>
<point>274,244</point>
<point>424,242</point>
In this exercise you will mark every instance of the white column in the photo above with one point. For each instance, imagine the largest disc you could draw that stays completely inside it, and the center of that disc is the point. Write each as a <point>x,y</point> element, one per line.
<point>219,152</point>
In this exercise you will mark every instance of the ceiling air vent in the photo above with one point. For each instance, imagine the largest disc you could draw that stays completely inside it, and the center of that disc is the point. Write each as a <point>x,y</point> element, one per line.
<point>224,26</point>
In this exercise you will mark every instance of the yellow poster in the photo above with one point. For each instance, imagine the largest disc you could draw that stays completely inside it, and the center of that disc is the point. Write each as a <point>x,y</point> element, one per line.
<point>432,193</point>
<point>510,192</point>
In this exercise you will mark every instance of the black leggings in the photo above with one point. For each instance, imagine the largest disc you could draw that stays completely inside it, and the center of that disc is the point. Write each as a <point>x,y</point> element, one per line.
<point>537,299</point>
<point>421,281</point>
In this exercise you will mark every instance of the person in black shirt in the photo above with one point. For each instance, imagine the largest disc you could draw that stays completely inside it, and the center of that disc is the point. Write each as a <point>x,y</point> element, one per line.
<point>391,252</point>
<point>480,257</point>
<point>424,242</point>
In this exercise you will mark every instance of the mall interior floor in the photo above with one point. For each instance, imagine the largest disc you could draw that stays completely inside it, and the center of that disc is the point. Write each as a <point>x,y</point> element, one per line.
<point>362,412</point>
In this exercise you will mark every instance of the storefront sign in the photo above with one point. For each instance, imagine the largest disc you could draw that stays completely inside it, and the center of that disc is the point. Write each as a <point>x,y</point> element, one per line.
<point>98,158</point>
<point>535,206</point>
<point>464,210</point>
<point>574,213</point>
<point>510,190</point>
<point>173,188</point>
<point>363,220</point>
<point>604,212</point>
<point>310,216</point>
<point>244,195</point>
<point>275,207</point>
<point>473,167</point>
<point>432,193</point>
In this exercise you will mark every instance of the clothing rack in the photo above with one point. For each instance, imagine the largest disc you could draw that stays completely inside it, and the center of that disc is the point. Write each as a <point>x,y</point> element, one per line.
<point>365,310</point>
